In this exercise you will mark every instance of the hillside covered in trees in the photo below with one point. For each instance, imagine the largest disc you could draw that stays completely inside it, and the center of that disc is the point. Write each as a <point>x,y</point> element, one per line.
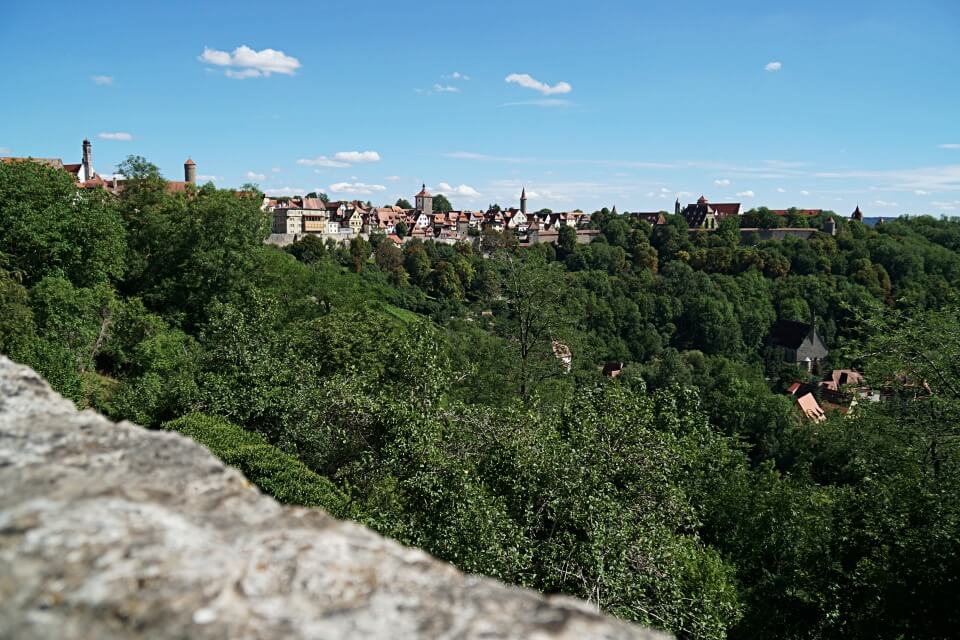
<point>450,396</point>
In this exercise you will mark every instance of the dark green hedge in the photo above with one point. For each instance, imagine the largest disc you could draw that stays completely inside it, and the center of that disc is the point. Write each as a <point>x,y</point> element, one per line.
<point>276,473</point>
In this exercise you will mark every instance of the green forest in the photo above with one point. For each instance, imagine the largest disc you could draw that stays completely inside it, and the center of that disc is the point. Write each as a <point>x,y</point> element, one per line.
<point>418,390</point>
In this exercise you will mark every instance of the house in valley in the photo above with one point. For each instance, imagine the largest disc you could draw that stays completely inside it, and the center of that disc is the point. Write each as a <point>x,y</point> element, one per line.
<point>799,342</point>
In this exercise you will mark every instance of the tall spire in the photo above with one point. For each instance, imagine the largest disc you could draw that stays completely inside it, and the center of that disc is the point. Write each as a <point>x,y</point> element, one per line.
<point>523,201</point>
<point>87,162</point>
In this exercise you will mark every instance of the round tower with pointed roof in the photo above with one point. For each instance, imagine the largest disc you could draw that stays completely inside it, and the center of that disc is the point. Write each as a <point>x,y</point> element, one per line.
<point>190,171</point>
<point>857,214</point>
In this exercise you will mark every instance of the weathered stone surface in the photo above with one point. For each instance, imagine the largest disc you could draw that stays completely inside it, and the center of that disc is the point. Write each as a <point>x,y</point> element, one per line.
<point>112,531</point>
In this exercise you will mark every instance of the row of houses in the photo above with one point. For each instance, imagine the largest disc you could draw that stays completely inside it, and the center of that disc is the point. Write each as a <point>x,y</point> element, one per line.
<point>298,216</point>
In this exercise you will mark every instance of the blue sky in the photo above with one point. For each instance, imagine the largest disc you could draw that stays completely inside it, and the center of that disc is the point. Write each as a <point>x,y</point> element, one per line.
<point>811,104</point>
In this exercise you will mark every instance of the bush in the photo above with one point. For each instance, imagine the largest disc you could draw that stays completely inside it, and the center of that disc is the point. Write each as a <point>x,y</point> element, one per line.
<point>276,473</point>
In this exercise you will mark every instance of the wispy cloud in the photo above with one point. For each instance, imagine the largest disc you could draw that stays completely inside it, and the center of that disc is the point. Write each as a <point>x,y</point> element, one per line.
<point>461,190</point>
<point>949,205</point>
<point>102,80</point>
<point>545,102</point>
<point>939,178</point>
<point>529,82</point>
<point>773,66</point>
<point>392,178</point>
<point>746,194</point>
<point>447,87</point>
<point>949,145</point>
<point>245,62</point>
<point>884,203</point>
<point>208,178</point>
<point>722,182</point>
<point>276,170</point>
<point>253,175</point>
<point>356,188</point>
<point>119,136</point>
<point>781,190</point>
<point>469,155</point>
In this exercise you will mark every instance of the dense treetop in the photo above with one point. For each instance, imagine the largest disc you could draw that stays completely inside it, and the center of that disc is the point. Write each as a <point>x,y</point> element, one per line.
<point>450,397</point>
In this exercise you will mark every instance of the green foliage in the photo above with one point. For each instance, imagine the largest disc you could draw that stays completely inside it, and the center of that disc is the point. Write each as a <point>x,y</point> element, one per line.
<point>48,227</point>
<point>421,392</point>
<point>274,472</point>
<point>441,204</point>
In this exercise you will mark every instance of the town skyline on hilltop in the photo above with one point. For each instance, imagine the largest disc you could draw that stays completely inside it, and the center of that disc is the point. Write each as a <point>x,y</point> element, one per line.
<point>815,107</point>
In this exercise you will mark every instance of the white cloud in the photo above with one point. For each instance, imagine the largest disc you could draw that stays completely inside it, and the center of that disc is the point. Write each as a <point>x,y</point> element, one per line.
<point>949,145</point>
<point>921,192</point>
<point>276,170</point>
<point>528,81</point>
<point>206,178</point>
<point>357,157</point>
<point>245,62</point>
<point>781,190</point>
<point>722,182</point>
<point>938,178</point>
<point>356,188</point>
<point>251,175</point>
<point>119,136</point>
<point>461,190</point>
<point>456,75</point>
<point>884,203</point>
<point>322,161</point>
<point>773,66</point>
<point>746,194</point>
<point>948,205</point>
<point>393,178</point>
<point>804,192</point>
<point>445,88</point>
<point>286,191</point>
<point>102,80</point>
<point>4,150</point>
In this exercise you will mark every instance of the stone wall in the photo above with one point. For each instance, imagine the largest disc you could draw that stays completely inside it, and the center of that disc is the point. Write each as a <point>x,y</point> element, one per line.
<point>112,531</point>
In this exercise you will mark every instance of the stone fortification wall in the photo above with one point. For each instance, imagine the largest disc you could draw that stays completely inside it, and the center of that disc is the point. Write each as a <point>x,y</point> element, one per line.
<point>112,531</point>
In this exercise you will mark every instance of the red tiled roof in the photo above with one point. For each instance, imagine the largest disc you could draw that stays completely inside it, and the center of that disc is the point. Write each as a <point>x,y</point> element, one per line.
<point>811,408</point>
<point>725,208</point>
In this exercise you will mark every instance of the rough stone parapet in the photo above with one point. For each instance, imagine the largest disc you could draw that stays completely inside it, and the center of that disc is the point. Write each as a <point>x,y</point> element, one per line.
<point>113,531</point>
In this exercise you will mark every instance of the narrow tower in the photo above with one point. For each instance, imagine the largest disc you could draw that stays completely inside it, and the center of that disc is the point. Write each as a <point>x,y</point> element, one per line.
<point>676,207</point>
<point>523,201</point>
<point>424,201</point>
<point>87,160</point>
<point>190,171</point>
